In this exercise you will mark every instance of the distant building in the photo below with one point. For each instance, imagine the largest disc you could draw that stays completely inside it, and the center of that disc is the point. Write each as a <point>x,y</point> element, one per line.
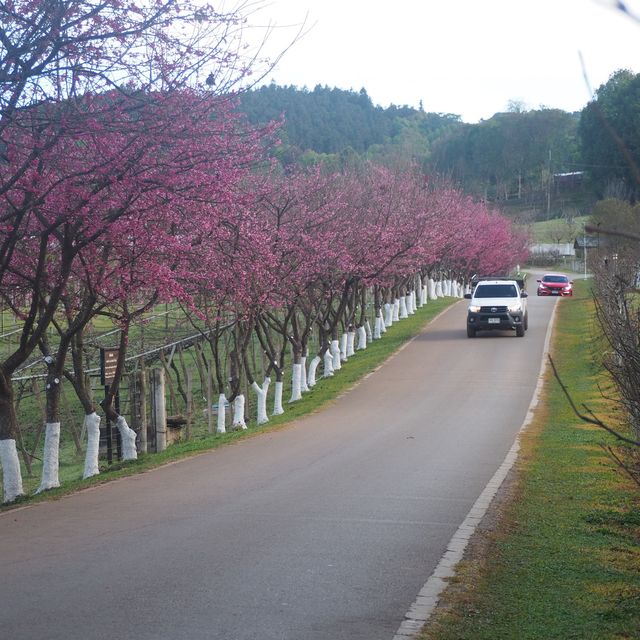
<point>557,249</point>
<point>585,242</point>
<point>568,181</point>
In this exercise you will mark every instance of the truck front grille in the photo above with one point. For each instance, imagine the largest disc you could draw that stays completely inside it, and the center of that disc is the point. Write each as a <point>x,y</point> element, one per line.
<point>493,309</point>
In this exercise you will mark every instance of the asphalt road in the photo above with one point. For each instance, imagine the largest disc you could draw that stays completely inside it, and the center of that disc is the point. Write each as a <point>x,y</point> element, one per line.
<point>325,530</point>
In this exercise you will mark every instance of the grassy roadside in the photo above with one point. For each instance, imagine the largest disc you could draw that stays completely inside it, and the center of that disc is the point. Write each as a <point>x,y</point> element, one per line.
<point>561,558</point>
<point>327,390</point>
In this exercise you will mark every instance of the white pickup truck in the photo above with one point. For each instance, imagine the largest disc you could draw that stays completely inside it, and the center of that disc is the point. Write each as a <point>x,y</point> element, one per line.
<point>497,304</point>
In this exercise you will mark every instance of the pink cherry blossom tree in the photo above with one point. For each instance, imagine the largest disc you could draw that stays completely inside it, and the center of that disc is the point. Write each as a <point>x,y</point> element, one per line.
<point>95,117</point>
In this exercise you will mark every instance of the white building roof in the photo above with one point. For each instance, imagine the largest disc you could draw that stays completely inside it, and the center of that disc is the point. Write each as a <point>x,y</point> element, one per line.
<point>559,248</point>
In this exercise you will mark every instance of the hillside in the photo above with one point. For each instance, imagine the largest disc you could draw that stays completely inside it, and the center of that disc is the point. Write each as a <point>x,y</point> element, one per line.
<point>336,122</point>
<point>526,162</point>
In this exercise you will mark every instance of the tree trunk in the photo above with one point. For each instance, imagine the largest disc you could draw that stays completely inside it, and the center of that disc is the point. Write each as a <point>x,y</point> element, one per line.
<point>50,459</point>
<point>127,435</point>
<point>92,427</point>
<point>261,393</point>
<point>11,473</point>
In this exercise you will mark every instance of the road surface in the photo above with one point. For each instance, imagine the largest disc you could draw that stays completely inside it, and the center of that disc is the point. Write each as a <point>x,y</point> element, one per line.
<point>325,530</point>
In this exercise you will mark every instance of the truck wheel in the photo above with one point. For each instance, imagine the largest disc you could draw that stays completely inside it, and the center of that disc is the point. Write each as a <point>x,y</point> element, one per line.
<point>520,330</point>
<point>526,321</point>
<point>471,332</point>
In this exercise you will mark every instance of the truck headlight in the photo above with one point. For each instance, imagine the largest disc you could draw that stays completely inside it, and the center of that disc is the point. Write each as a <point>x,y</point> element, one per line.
<point>515,308</point>
<point>474,308</point>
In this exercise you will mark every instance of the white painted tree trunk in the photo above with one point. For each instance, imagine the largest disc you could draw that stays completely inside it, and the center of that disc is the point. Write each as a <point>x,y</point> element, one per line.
<point>328,364</point>
<point>296,386</point>
<point>362,338</point>
<point>11,475</point>
<point>369,334</point>
<point>396,310</point>
<point>402,308</point>
<point>238,413</point>
<point>50,465</point>
<point>411,305</point>
<point>425,294</point>
<point>383,325</point>
<point>261,393</point>
<point>304,385</point>
<point>221,425</point>
<point>344,339</point>
<point>92,427</point>
<point>335,352</point>
<point>351,341</point>
<point>433,293</point>
<point>128,439</point>
<point>408,301</point>
<point>313,366</point>
<point>277,400</point>
<point>388,314</point>
<point>420,296</point>
<point>447,288</point>
<point>377,327</point>
<point>439,292</point>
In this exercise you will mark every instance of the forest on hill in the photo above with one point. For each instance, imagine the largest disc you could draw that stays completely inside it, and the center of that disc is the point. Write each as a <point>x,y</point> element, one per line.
<point>337,126</point>
<point>535,164</point>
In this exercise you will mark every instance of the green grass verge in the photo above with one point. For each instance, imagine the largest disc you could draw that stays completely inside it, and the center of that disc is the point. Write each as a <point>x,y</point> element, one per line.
<point>325,391</point>
<point>564,559</point>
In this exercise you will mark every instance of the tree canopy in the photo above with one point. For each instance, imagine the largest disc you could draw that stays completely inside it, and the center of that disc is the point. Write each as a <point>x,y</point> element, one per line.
<point>610,136</point>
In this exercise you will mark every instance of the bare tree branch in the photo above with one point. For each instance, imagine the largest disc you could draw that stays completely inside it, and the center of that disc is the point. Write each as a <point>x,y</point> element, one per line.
<point>634,475</point>
<point>589,419</point>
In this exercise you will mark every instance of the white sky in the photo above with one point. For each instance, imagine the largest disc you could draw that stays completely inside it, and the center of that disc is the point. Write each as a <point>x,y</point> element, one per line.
<point>468,57</point>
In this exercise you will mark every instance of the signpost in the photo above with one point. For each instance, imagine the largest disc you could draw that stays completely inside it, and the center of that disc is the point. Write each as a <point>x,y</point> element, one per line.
<point>108,365</point>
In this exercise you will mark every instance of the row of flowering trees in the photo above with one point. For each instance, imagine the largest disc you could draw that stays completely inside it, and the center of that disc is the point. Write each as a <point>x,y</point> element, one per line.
<point>116,196</point>
<point>276,258</point>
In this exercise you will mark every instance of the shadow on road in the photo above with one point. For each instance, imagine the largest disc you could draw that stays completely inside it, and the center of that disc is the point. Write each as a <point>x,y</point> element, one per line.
<point>444,335</point>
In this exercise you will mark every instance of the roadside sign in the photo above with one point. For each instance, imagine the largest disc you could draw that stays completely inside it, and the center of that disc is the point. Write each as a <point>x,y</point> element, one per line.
<point>108,363</point>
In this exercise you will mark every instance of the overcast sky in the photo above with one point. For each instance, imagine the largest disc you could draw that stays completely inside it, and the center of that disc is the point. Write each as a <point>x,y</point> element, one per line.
<point>468,57</point>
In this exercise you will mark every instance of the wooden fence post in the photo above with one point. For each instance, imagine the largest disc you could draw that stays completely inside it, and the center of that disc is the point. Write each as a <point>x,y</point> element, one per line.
<point>209,400</point>
<point>189,376</point>
<point>139,407</point>
<point>71,422</point>
<point>159,409</point>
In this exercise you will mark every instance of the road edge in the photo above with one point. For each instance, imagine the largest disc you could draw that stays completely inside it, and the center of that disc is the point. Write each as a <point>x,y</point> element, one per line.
<point>428,597</point>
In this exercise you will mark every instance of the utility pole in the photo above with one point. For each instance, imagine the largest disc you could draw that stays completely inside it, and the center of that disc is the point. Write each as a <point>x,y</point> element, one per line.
<point>549,186</point>
<point>584,239</point>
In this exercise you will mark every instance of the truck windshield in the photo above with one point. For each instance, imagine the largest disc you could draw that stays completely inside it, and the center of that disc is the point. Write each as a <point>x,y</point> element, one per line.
<point>496,291</point>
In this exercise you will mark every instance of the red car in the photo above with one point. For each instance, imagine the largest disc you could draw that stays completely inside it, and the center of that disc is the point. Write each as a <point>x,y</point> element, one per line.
<point>555,284</point>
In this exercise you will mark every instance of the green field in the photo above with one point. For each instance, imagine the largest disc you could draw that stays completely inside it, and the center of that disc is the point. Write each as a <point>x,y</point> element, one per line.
<point>559,556</point>
<point>558,230</point>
